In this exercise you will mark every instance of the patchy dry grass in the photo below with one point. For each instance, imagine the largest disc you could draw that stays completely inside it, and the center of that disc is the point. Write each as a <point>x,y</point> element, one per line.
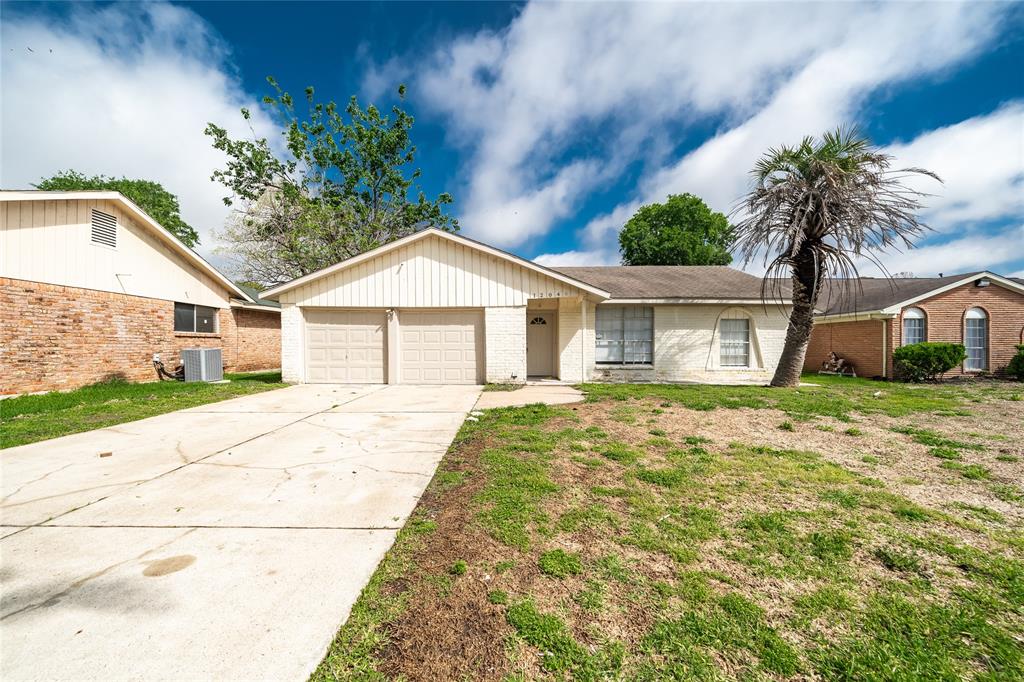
<point>671,532</point>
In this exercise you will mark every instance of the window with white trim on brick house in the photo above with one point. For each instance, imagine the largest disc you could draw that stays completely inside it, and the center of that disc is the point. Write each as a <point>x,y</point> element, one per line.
<point>624,335</point>
<point>915,326</point>
<point>195,318</point>
<point>976,340</point>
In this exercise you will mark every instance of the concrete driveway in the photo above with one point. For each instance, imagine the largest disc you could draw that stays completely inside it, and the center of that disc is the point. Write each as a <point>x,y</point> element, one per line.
<point>228,541</point>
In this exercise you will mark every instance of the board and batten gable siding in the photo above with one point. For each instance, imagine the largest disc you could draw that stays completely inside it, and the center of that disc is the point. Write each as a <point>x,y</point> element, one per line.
<point>49,241</point>
<point>429,273</point>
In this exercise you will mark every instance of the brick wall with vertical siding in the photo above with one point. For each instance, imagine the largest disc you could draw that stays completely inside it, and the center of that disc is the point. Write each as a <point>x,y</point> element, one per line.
<point>59,338</point>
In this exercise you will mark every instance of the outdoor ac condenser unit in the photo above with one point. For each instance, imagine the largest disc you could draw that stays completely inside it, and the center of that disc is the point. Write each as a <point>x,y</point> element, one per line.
<point>202,364</point>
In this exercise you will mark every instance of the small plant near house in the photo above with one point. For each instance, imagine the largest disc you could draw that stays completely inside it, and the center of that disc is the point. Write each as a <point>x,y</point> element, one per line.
<point>786,426</point>
<point>927,361</point>
<point>458,568</point>
<point>1016,367</point>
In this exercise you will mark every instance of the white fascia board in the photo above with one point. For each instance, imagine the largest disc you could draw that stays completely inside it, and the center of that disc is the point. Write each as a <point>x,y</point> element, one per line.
<point>996,279</point>
<point>140,215</point>
<point>854,317</point>
<point>255,306</point>
<point>273,292</point>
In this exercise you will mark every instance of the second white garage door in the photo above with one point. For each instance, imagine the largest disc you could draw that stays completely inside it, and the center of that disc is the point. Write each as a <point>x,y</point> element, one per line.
<point>345,346</point>
<point>441,347</point>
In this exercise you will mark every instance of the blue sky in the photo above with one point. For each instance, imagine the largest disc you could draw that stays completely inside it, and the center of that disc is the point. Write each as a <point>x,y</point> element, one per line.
<point>549,123</point>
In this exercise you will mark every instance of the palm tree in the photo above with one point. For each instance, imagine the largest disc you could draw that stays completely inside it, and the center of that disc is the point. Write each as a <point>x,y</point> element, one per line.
<point>815,210</point>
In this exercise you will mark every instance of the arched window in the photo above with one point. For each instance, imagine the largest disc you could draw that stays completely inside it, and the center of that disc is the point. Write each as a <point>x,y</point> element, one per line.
<point>976,340</point>
<point>914,326</point>
<point>734,341</point>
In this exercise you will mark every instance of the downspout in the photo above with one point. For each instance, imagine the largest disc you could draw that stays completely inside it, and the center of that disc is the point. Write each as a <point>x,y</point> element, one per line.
<point>885,349</point>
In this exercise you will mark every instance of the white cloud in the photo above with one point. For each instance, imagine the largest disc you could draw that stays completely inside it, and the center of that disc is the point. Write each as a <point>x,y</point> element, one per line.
<point>962,254</point>
<point>981,162</point>
<point>573,258</point>
<point>122,90</point>
<point>526,101</point>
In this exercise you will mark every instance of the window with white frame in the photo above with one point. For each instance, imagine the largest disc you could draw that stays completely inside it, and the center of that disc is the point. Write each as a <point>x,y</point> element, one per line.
<point>976,340</point>
<point>734,342</point>
<point>624,335</point>
<point>914,323</point>
<point>194,318</point>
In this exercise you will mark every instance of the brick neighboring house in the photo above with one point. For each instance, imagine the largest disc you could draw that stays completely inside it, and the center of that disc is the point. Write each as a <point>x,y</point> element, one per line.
<point>982,310</point>
<point>91,287</point>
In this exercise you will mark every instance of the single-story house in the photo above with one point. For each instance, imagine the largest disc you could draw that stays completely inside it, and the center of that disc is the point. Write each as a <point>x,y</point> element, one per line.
<point>91,287</point>
<point>866,321</point>
<point>438,308</point>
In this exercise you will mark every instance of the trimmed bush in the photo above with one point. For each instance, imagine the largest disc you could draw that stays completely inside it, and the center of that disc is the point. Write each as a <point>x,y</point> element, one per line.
<point>1016,367</point>
<point>927,361</point>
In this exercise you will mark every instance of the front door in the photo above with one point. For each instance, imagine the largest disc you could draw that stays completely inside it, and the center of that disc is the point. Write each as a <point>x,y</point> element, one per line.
<point>540,344</point>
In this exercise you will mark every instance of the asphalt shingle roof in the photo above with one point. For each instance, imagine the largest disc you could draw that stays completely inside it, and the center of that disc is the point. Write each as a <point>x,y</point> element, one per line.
<point>669,281</point>
<point>255,295</point>
<point>876,293</point>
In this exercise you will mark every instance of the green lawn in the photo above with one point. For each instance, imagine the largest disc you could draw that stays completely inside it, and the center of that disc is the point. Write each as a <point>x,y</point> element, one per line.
<point>851,531</point>
<point>31,418</point>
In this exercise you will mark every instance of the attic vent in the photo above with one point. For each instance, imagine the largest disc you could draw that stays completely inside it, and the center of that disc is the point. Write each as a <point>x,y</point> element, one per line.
<point>104,229</point>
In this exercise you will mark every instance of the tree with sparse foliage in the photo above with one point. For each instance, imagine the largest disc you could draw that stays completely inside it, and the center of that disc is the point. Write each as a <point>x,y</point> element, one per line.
<point>815,209</point>
<point>151,197</point>
<point>682,231</point>
<point>338,184</point>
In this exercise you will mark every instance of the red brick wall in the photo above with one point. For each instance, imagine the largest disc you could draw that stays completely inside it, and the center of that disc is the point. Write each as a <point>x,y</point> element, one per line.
<point>58,338</point>
<point>861,341</point>
<point>945,320</point>
<point>858,342</point>
<point>258,339</point>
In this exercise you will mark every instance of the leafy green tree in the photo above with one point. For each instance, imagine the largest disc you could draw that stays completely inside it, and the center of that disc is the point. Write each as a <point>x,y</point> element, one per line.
<point>150,196</point>
<point>815,209</point>
<point>682,231</point>
<point>338,184</point>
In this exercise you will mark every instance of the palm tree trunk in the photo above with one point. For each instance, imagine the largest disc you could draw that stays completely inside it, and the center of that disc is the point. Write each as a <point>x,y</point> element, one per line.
<point>806,287</point>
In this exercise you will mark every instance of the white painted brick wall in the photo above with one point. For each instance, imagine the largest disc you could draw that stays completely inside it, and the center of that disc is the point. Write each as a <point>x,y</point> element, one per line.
<point>575,344</point>
<point>505,340</point>
<point>686,346</point>
<point>292,344</point>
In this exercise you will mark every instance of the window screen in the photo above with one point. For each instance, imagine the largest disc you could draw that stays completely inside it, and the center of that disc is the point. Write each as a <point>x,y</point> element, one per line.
<point>976,341</point>
<point>735,343</point>
<point>913,326</point>
<point>206,319</point>
<point>194,318</point>
<point>184,317</point>
<point>624,335</point>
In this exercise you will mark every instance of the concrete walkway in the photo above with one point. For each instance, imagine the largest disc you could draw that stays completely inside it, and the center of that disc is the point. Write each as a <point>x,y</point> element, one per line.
<point>228,541</point>
<point>548,393</point>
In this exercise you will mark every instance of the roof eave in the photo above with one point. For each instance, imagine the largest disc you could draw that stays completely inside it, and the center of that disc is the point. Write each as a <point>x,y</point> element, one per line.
<point>145,218</point>
<point>274,292</point>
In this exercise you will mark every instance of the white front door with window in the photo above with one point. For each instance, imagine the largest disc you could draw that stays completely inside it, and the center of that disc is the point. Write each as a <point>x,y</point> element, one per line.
<point>540,344</point>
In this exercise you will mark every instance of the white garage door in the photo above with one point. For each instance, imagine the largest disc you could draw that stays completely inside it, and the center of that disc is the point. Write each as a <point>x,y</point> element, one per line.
<point>441,347</point>
<point>345,346</point>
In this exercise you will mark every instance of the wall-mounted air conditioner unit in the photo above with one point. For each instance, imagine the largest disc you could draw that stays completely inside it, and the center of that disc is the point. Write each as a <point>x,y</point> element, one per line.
<point>202,364</point>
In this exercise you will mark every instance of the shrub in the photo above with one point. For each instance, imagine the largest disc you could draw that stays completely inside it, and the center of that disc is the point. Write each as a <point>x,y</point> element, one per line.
<point>927,361</point>
<point>1016,367</point>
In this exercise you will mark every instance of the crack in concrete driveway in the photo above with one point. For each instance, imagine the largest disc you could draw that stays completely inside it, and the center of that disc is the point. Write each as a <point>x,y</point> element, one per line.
<point>288,500</point>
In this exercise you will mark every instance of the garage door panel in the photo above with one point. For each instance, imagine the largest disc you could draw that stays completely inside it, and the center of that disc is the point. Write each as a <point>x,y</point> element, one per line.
<point>441,347</point>
<point>345,346</point>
